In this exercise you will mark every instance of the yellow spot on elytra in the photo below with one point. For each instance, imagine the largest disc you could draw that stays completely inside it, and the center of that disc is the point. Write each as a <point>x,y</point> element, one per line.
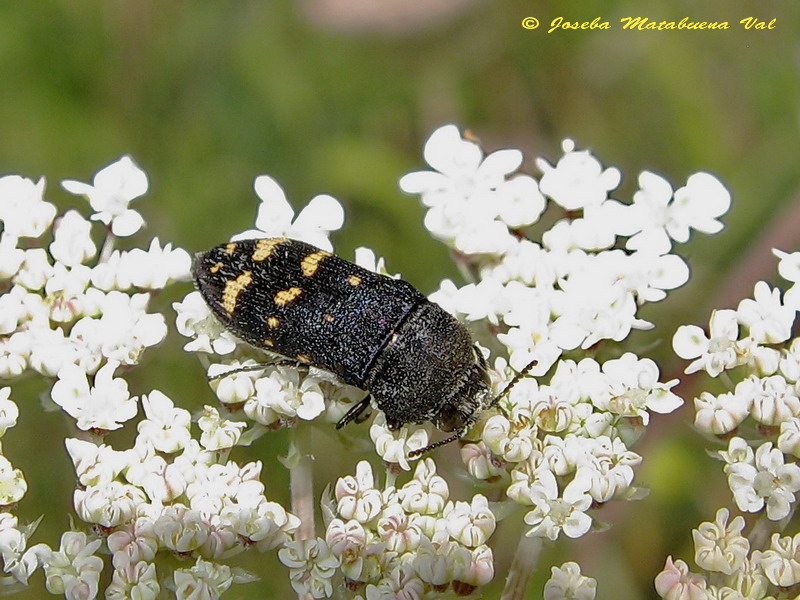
<point>303,358</point>
<point>233,288</point>
<point>230,248</point>
<point>215,268</point>
<point>264,248</point>
<point>285,296</point>
<point>328,318</point>
<point>311,262</point>
<point>273,322</point>
<point>354,280</point>
<point>268,343</point>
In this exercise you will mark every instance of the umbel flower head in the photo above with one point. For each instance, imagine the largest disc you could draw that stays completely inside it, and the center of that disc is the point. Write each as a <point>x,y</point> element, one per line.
<point>557,272</point>
<point>557,444</point>
<point>753,421</point>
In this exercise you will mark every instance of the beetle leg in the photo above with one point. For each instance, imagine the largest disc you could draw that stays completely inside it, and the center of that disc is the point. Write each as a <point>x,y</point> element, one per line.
<point>282,362</point>
<point>354,412</point>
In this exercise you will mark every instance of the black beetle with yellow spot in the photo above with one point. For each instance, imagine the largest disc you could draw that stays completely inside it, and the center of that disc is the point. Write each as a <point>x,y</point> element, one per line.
<point>374,332</point>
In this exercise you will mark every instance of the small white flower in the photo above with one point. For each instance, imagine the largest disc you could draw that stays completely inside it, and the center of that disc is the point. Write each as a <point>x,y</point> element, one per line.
<point>715,353</point>
<point>578,180</point>
<point>649,276</point>
<point>12,483</point>
<point>771,400</point>
<point>781,562</point>
<point>165,427</point>
<point>218,433</point>
<point>357,497</point>
<point>311,565</point>
<point>17,560</point>
<point>609,465</point>
<point>14,352</point>
<point>738,452</point>
<point>346,539</point>
<point>720,546</point>
<point>73,570</point>
<point>65,290</point>
<point>124,329</point>
<point>397,530</point>
<point>276,217</point>
<point>633,387</point>
<point>567,581</point>
<point>700,203</point>
<point>134,580</point>
<point>113,188</point>
<point>11,257</point>
<point>8,411</point>
<point>181,529</point>
<point>789,265</point>
<point>721,414</point>
<point>133,544</point>
<point>284,393</point>
<point>195,320</point>
<point>769,481</point>
<point>427,492</point>
<point>401,582</point>
<point>759,359</point>
<point>12,312</point>
<point>471,198</point>
<point>109,504</point>
<point>234,382</point>
<point>204,580</point>
<point>72,242</point>
<point>789,438</point>
<point>677,581</point>
<point>95,465</point>
<point>472,568</point>
<point>267,524</point>
<point>35,269</point>
<point>153,268</point>
<point>480,462</point>
<point>395,446</point>
<point>768,320</point>
<point>553,514</point>
<point>470,524</point>
<point>659,217</point>
<point>49,351</point>
<point>22,210</point>
<point>105,405</point>
<point>461,169</point>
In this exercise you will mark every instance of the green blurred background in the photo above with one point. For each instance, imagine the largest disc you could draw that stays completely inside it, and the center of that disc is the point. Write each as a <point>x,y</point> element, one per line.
<point>338,96</point>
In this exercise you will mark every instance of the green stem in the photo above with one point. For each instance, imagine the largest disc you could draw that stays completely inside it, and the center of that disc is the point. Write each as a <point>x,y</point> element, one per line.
<point>302,481</point>
<point>525,560</point>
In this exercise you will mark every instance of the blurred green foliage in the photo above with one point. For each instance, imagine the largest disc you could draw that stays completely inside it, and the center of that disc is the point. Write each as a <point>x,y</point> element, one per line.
<point>206,95</point>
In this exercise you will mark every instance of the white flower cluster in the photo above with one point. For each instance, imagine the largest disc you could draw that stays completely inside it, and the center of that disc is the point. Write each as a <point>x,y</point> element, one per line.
<point>752,350</point>
<point>172,494</point>
<point>64,308</point>
<point>77,317</point>
<point>397,542</point>
<point>734,568</point>
<point>560,270</point>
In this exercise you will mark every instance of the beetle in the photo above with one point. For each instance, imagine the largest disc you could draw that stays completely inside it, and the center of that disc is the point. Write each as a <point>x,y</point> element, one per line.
<point>374,332</point>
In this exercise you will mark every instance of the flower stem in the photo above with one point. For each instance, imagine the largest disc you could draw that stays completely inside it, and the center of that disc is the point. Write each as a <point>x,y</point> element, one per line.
<point>525,560</point>
<point>302,481</point>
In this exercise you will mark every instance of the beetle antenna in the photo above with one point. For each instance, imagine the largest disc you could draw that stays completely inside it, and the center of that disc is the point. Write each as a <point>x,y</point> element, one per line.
<point>514,381</point>
<point>435,445</point>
